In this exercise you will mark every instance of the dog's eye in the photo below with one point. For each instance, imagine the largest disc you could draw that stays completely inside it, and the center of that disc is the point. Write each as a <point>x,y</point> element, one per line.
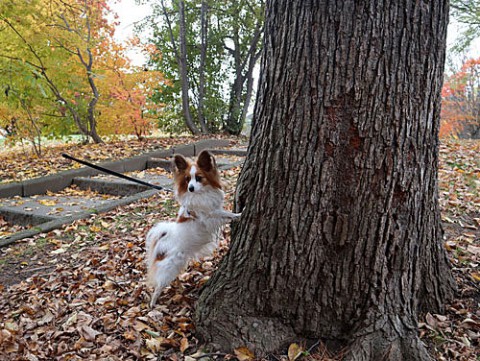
<point>198,178</point>
<point>187,178</point>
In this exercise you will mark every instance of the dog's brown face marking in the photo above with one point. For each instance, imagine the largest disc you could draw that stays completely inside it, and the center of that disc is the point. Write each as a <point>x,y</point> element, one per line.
<point>183,219</point>
<point>159,257</point>
<point>207,170</point>
<point>187,174</point>
<point>180,167</point>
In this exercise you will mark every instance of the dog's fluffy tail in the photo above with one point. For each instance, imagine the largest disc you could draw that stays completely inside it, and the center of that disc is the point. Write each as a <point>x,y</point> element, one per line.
<point>163,272</point>
<point>163,264</point>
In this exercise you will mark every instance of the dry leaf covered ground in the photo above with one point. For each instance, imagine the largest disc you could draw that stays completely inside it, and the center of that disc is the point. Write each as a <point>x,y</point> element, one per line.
<point>85,297</point>
<point>19,163</point>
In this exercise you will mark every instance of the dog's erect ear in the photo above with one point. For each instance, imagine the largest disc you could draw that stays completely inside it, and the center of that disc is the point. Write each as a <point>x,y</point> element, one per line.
<point>179,162</point>
<point>206,161</point>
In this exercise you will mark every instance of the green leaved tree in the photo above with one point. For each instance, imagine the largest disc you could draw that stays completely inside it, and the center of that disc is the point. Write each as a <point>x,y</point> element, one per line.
<point>209,52</point>
<point>467,13</point>
<point>53,40</point>
<point>61,72</point>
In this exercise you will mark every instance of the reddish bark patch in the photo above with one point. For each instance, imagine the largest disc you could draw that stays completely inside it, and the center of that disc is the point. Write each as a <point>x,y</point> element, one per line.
<point>329,149</point>
<point>356,141</point>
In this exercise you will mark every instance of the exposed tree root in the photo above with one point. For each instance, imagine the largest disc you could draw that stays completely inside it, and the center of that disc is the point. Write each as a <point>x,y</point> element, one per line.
<point>378,347</point>
<point>260,335</point>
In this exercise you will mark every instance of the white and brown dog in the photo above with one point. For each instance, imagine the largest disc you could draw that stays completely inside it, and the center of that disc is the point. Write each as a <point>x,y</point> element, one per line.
<point>170,245</point>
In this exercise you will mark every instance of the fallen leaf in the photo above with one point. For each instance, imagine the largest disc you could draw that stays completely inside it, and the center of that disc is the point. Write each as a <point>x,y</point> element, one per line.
<point>474,250</point>
<point>47,202</point>
<point>12,327</point>
<point>72,320</point>
<point>244,354</point>
<point>431,321</point>
<point>294,351</point>
<point>95,229</point>
<point>465,341</point>
<point>183,344</point>
<point>87,332</point>
<point>153,344</point>
<point>58,251</point>
<point>152,333</point>
<point>130,335</point>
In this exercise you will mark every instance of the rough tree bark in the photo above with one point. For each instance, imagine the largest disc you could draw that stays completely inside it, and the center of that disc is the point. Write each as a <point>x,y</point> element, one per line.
<point>340,237</point>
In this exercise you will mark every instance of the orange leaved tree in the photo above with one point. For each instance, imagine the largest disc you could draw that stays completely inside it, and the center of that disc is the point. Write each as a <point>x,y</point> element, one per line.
<point>461,101</point>
<point>62,72</point>
<point>126,107</point>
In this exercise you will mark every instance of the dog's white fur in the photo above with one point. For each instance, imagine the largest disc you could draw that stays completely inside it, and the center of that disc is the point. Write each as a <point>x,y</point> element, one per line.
<point>170,245</point>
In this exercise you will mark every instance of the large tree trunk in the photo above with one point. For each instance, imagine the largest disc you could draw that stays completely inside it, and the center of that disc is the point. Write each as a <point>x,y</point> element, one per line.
<point>340,237</point>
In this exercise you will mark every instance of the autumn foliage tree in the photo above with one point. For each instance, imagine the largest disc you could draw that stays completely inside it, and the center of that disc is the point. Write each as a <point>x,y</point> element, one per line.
<point>42,29</point>
<point>62,70</point>
<point>461,101</point>
<point>23,109</point>
<point>126,107</point>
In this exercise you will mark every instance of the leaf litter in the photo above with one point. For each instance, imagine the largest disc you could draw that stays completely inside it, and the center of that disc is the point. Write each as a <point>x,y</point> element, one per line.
<point>456,334</point>
<point>18,164</point>
<point>89,300</point>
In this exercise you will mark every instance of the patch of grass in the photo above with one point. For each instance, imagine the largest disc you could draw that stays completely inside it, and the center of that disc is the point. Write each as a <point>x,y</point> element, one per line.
<point>169,207</point>
<point>41,242</point>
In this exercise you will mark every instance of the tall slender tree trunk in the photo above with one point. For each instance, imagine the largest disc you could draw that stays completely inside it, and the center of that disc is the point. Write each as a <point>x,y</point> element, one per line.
<point>340,237</point>
<point>91,122</point>
<point>244,64</point>
<point>203,64</point>
<point>232,125</point>
<point>91,118</point>
<point>182,62</point>
<point>34,133</point>
<point>249,79</point>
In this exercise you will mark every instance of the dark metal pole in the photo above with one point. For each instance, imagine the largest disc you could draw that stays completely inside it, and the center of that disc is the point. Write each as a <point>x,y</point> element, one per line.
<point>116,174</point>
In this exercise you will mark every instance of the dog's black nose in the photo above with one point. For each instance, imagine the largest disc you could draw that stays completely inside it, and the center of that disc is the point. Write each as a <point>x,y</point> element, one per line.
<point>191,188</point>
